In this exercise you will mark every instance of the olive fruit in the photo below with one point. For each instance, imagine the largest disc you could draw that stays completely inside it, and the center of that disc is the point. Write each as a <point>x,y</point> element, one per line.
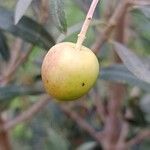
<point>69,73</point>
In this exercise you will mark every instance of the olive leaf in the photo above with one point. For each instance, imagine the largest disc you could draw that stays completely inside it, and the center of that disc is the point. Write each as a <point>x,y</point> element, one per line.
<point>58,14</point>
<point>27,29</point>
<point>141,22</point>
<point>119,73</point>
<point>4,50</point>
<point>136,65</point>
<point>10,91</point>
<point>71,30</point>
<point>145,10</point>
<point>21,7</point>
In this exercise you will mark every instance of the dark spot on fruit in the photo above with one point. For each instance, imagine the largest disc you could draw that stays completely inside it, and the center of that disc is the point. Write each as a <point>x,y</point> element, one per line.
<point>83,84</point>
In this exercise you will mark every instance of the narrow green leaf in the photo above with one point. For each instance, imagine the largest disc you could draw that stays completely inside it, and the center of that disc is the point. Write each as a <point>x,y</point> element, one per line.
<point>140,69</point>
<point>141,22</point>
<point>58,14</point>
<point>119,73</point>
<point>4,50</point>
<point>21,7</point>
<point>71,30</point>
<point>11,91</point>
<point>145,10</point>
<point>27,29</point>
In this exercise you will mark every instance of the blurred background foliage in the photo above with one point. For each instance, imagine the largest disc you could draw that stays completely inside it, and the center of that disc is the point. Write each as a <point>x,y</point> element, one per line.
<point>51,128</point>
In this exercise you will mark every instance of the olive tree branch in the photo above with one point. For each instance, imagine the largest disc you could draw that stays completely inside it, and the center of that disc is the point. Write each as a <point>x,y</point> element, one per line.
<point>139,137</point>
<point>4,137</point>
<point>82,123</point>
<point>44,9</point>
<point>112,23</point>
<point>12,68</point>
<point>121,144</point>
<point>141,2</point>
<point>26,115</point>
<point>99,107</point>
<point>113,123</point>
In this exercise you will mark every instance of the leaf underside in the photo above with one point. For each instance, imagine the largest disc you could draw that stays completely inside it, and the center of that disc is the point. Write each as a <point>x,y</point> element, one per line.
<point>21,7</point>
<point>136,65</point>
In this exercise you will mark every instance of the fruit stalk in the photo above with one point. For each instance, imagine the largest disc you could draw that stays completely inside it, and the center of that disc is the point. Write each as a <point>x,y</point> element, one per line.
<point>82,34</point>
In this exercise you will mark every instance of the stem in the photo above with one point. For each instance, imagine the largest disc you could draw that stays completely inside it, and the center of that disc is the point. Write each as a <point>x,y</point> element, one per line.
<point>81,35</point>
<point>144,134</point>
<point>4,138</point>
